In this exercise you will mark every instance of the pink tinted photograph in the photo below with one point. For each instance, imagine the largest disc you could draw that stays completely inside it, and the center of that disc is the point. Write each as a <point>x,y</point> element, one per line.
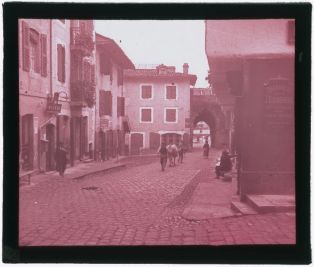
<point>150,132</point>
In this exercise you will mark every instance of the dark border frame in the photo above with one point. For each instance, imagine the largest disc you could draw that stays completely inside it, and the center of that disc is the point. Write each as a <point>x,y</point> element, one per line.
<point>261,254</point>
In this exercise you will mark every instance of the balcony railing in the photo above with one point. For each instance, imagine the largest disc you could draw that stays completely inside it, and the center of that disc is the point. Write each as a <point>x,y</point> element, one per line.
<point>83,93</point>
<point>82,40</point>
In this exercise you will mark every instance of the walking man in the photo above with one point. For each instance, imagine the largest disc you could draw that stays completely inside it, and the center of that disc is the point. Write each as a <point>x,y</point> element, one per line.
<point>61,159</point>
<point>180,152</point>
<point>163,155</point>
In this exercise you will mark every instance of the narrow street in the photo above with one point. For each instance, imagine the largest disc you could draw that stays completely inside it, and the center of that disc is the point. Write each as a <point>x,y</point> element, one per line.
<point>141,205</point>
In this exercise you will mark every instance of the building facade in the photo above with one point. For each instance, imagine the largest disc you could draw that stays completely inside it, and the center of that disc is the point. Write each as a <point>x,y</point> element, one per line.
<point>158,105</point>
<point>111,118</point>
<point>83,90</point>
<point>46,95</point>
<point>251,66</point>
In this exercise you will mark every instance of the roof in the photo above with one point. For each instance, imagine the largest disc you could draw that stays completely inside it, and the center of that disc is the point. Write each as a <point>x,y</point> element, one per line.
<point>111,48</point>
<point>153,73</point>
<point>249,38</point>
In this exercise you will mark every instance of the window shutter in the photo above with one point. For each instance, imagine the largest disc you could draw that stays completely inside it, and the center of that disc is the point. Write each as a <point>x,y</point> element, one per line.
<point>59,52</point>
<point>63,63</point>
<point>101,102</point>
<point>43,41</point>
<point>120,77</point>
<point>171,115</point>
<point>25,46</point>
<point>171,92</point>
<point>105,65</point>
<point>120,106</point>
<point>146,114</point>
<point>108,103</point>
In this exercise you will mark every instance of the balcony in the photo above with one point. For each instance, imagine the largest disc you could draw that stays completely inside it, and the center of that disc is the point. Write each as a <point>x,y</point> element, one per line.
<point>82,41</point>
<point>83,94</point>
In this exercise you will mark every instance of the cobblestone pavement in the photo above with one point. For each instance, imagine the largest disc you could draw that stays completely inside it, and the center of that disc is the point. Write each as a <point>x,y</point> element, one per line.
<point>138,206</point>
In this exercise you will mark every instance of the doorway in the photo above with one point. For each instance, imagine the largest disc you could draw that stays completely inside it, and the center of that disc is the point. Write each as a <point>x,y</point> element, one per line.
<point>137,142</point>
<point>50,156</point>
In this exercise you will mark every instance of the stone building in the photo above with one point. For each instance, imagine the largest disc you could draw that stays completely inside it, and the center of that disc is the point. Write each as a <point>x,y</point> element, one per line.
<point>158,105</point>
<point>48,98</point>
<point>111,119</point>
<point>251,66</point>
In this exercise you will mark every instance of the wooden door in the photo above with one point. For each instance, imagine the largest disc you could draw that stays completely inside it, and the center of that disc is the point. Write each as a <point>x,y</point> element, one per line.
<point>50,156</point>
<point>136,143</point>
<point>154,140</point>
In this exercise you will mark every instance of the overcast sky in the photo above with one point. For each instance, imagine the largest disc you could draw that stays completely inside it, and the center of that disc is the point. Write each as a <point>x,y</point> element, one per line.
<point>169,42</point>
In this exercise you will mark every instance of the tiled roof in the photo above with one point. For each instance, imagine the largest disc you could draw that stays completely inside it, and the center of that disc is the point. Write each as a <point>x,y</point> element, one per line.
<point>110,46</point>
<point>154,73</point>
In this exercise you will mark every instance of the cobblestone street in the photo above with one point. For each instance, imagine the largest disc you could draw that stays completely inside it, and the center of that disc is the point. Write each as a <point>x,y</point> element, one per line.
<point>140,205</point>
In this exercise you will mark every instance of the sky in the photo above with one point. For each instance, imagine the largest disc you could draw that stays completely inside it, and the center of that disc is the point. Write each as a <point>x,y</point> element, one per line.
<point>169,42</point>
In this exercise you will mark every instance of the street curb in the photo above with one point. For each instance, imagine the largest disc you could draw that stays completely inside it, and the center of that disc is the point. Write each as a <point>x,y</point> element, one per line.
<point>113,168</point>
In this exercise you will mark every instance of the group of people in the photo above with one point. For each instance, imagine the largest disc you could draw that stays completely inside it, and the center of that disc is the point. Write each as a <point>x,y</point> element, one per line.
<point>170,152</point>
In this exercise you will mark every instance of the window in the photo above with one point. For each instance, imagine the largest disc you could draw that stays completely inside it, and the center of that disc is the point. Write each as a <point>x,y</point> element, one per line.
<point>146,114</point>
<point>146,92</point>
<point>171,92</point>
<point>105,103</point>
<point>120,76</point>
<point>34,51</point>
<point>170,115</point>
<point>105,65</point>
<point>61,63</point>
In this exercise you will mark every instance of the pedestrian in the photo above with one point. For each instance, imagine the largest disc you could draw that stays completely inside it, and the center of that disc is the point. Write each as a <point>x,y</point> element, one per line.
<point>163,155</point>
<point>180,152</point>
<point>170,154</point>
<point>61,159</point>
<point>224,164</point>
<point>174,153</point>
<point>206,149</point>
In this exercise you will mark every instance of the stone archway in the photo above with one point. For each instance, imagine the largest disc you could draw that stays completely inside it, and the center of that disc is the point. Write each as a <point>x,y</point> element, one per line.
<point>215,119</point>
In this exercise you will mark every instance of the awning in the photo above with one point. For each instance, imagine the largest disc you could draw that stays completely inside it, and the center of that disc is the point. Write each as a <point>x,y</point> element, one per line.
<point>171,132</point>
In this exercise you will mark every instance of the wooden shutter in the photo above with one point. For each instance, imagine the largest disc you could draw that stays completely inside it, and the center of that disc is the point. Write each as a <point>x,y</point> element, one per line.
<point>43,42</point>
<point>120,77</point>
<point>105,65</point>
<point>25,46</point>
<point>146,115</point>
<point>59,55</point>
<point>120,106</point>
<point>63,63</point>
<point>171,115</point>
<point>108,103</point>
<point>101,102</point>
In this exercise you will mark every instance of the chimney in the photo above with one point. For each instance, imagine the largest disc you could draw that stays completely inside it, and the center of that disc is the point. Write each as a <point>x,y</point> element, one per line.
<point>185,68</point>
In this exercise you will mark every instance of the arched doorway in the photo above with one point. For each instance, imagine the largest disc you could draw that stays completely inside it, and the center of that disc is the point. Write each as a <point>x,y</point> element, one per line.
<point>50,156</point>
<point>201,134</point>
<point>207,120</point>
<point>215,119</point>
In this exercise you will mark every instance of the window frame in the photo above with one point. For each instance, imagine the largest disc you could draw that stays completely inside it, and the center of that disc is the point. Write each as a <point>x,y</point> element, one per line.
<point>165,115</point>
<point>141,91</point>
<point>34,45</point>
<point>171,99</point>
<point>152,115</point>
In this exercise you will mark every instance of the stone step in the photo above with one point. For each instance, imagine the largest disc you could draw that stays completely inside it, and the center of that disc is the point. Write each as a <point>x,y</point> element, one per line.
<point>271,203</point>
<point>241,207</point>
